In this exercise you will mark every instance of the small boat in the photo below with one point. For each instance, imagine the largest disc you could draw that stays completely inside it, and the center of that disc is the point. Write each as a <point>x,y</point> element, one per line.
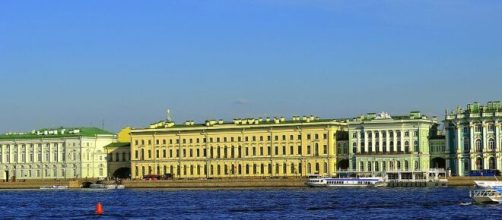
<point>54,187</point>
<point>486,195</point>
<point>106,186</point>
<point>487,192</point>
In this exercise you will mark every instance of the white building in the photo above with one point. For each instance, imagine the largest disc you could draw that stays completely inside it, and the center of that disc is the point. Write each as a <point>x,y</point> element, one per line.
<point>385,143</point>
<point>54,154</point>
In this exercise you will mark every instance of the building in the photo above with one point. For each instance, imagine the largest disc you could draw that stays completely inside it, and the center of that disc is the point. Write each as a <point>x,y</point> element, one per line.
<point>119,155</point>
<point>473,137</point>
<point>54,154</point>
<point>394,145</point>
<point>271,147</point>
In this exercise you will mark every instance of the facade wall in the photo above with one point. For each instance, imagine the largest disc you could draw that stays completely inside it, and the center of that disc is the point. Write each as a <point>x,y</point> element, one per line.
<point>386,144</point>
<point>278,150</point>
<point>473,137</point>
<point>52,158</point>
<point>118,157</point>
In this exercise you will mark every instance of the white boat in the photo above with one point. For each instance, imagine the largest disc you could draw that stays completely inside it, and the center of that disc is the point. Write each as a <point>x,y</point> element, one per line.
<point>356,182</point>
<point>487,192</point>
<point>486,195</point>
<point>106,186</point>
<point>488,184</point>
<point>54,187</point>
<point>317,181</point>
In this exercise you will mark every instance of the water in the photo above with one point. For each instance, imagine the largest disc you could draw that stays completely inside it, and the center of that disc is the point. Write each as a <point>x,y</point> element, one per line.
<point>305,203</point>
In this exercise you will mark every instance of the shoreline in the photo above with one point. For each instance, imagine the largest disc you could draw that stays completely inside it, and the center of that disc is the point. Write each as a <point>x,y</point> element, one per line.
<point>206,183</point>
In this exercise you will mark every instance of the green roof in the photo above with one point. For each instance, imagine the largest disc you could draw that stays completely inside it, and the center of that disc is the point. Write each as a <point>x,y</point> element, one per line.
<point>56,133</point>
<point>118,144</point>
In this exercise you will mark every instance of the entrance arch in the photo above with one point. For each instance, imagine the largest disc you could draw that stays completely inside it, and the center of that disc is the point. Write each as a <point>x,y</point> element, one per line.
<point>123,172</point>
<point>342,164</point>
<point>438,162</point>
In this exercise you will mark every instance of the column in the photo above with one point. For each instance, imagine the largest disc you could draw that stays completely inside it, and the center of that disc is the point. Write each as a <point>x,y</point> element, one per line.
<point>365,141</point>
<point>380,140</point>
<point>373,145</point>
<point>358,141</point>
<point>402,140</point>
<point>394,140</point>
<point>497,144</point>
<point>484,144</point>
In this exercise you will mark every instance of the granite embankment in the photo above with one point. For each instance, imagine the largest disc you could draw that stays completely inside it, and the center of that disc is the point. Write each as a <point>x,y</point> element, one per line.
<point>204,183</point>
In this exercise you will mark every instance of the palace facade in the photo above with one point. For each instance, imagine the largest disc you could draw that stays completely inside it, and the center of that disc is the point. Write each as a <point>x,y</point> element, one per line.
<point>381,143</point>
<point>473,137</point>
<point>54,154</point>
<point>271,147</point>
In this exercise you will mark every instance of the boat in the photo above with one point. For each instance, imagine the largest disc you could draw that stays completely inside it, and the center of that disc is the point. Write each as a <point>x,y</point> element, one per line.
<point>487,192</point>
<point>54,187</point>
<point>318,181</point>
<point>486,195</point>
<point>356,182</point>
<point>489,184</point>
<point>106,186</point>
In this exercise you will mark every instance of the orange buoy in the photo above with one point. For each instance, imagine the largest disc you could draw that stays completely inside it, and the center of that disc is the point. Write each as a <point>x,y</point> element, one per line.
<point>99,209</point>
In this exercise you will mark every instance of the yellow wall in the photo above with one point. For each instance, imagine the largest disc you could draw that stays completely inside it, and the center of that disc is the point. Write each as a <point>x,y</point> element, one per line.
<point>124,135</point>
<point>160,148</point>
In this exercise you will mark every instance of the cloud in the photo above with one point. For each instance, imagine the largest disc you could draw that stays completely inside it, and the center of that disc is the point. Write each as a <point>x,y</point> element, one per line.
<point>241,101</point>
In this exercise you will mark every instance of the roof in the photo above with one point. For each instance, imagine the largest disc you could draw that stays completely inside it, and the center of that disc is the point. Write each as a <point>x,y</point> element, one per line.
<point>56,133</point>
<point>118,144</point>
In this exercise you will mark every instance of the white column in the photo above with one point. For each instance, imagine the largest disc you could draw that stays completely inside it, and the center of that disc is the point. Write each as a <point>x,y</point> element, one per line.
<point>402,140</point>
<point>358,141</point>
<point>380,140</point>
<point>365,142</point>
<point>394,140</point>
<point>373,138</point>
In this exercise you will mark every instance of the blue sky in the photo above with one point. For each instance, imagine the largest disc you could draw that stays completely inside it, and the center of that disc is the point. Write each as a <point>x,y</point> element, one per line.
<point>81,63</point>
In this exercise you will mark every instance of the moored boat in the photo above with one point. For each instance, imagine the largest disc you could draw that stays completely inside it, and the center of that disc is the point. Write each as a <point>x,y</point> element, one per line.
<point>356,182</point>
<point>318,181</point>
<point>54,187</point>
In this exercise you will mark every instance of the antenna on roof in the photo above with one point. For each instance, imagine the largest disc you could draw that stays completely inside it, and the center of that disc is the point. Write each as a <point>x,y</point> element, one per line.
<point>168,115</point>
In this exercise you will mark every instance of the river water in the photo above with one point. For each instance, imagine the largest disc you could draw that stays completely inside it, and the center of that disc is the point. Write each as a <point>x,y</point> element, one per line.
<point>282,203</point>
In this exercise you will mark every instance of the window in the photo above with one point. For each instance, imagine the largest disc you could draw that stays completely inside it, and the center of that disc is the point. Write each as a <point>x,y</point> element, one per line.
<point>479,148</point>
<point>491,144</point>
<point>491,127</point>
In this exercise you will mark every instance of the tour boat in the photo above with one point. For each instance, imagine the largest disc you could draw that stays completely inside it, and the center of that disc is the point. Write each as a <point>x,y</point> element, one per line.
<point>356,182</point>
<point>317,181</point>
<point>487,192</point>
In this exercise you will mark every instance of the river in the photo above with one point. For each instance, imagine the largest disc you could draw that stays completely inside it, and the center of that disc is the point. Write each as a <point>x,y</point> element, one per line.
<point>282,203</point>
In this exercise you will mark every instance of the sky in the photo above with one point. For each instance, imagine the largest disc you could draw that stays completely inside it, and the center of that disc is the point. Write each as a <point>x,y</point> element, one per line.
<point>122,63</point>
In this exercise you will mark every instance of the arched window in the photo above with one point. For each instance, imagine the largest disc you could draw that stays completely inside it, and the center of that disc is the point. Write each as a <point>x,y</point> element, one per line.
<point>491,163</point>
<point>417,165</point>
<point>399,165</point>
<point>377,167</point>
<point>369,165</point>
<point>406,146</point>
<point>491,144</point>
<point>406,165</point>
<point>361,166</point>
<point>479,147</point>
<point>479,163</point>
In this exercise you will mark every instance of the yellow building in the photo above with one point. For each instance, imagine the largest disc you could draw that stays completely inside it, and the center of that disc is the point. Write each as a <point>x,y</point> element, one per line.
<point>245,148</point>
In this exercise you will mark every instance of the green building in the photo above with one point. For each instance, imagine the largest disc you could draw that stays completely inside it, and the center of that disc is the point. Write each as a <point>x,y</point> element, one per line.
<point>473,137</point>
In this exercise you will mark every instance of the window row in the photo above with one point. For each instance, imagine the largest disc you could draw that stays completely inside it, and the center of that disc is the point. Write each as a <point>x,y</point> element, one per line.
<point>230,152</point>
<point>230,139</point>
